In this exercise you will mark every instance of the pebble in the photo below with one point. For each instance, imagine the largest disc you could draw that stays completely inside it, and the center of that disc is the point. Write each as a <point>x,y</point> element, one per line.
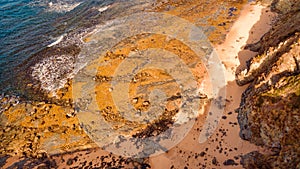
<point>230,162</point>
<point>135,100</point>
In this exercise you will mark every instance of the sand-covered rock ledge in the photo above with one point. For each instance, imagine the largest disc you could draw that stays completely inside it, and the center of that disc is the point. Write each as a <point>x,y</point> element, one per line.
<point>260,124</point>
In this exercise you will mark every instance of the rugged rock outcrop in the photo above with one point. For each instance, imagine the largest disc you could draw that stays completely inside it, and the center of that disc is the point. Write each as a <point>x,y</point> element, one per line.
<point>269,114</point>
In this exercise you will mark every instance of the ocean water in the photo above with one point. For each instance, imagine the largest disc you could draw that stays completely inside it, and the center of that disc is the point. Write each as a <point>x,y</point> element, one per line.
<point>27,27</point>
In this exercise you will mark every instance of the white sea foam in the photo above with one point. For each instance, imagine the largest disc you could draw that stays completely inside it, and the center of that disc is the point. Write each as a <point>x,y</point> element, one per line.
<point>53,72</point>
<point>102,9</point>
<point>57,41</point>
<point>57,5</point>
<point>62,6</point>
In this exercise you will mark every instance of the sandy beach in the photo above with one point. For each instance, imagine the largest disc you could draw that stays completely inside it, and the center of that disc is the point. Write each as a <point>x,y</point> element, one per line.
<point>225,144</point>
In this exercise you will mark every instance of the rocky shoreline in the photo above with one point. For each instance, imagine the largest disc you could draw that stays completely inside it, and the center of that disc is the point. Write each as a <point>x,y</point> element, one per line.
<point>42,130</point>
<point>269,111</point>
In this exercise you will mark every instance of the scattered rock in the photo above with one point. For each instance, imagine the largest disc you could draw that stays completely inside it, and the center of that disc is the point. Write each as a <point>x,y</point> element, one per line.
<point>230,162</point>
<point>214,161</point>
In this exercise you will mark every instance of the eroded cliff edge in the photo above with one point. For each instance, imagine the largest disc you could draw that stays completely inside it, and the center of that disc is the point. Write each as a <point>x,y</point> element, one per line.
<point>269,113</point>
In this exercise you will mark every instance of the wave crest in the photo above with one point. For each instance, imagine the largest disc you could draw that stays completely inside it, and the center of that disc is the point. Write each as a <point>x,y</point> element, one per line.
<point>60,6</point>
